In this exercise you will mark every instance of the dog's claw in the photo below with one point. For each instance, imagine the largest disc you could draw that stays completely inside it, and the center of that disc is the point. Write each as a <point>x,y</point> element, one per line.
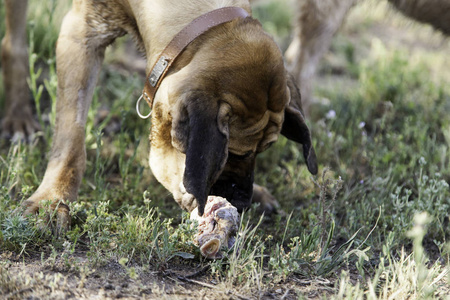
<point>62,219</point>
<point>19,129</point>
<point>58,216</point>
<point>268,204</point>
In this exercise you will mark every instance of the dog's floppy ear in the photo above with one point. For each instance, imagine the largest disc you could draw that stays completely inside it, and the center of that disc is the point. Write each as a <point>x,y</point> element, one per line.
<point>294,126</point>
<point>206,153</point>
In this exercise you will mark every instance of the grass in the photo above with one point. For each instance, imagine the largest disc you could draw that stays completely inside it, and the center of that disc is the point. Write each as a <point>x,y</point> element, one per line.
<point>372,225</point>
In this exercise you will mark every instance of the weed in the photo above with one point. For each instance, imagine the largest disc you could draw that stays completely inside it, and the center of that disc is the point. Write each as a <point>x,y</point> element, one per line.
<point>312,254</point>
<point>408,276</point>
<point>17,232</point>
<point>243,266</point>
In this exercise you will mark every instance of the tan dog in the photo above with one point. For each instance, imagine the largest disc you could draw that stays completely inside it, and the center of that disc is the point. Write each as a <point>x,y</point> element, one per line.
<point>225,99</point>
<point>318,20</point>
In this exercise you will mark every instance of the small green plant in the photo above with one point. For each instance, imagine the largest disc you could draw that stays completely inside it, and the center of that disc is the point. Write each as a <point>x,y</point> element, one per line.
<point>125,162</point>
<point>407,276</point>
<point>130,271</point>
<point>44,19</point>
<point>242,266</point>
<point>100,228</point>
<point>17,232</point>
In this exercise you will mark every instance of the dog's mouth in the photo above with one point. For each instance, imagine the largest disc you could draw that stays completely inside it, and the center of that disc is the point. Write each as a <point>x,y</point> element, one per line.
<point>235,183</point>
<point>238,191</point>
<point>230,177</point>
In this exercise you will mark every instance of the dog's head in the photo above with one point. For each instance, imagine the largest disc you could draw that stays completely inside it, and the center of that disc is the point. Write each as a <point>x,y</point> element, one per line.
<point>226,99</point>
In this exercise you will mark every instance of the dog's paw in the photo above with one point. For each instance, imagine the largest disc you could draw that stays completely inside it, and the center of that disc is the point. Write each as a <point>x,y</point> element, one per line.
<point>268,204</point>
<point>19,128</point>
<point>56,213</point>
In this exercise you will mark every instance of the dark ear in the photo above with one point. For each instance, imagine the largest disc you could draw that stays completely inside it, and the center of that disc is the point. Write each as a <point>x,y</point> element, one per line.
<point>206,153</point>
<point>294,127</point>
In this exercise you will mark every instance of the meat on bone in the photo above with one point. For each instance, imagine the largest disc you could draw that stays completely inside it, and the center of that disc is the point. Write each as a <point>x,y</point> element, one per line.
<point>217,226</point>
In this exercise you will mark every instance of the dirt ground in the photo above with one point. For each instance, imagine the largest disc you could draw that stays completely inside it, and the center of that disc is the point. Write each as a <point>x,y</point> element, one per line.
<point>47,278</point>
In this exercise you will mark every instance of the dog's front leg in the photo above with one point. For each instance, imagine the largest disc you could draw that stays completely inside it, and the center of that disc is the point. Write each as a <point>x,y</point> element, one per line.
<point>18,120</point>
<point>78,59</point>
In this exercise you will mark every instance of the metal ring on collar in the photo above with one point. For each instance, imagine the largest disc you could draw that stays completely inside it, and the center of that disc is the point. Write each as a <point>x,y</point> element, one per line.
<point>137,109</point>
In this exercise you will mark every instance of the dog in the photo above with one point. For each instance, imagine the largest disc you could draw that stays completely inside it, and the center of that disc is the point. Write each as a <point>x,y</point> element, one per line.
<point>317,21</point>
<point>224,98</point>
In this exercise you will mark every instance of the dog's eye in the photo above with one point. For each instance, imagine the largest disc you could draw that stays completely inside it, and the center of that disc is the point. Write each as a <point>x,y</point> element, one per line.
<point>240,157</point>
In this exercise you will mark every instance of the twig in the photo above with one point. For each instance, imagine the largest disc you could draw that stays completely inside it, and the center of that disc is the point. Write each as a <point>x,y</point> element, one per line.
<point>182,278</point>
<point>320,281</point>
<point>285,294</point>
<point>195,274</point>
<point>199,272</point>
<point>188,279</point>
<point>210,286</point>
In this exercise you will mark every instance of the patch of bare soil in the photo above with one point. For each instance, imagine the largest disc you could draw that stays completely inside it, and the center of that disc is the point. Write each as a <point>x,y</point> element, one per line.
<point>73,278</point>
<point>47,278</point>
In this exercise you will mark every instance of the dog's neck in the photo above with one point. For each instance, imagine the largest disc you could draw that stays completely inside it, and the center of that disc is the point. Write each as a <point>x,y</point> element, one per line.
<point>185,37</point>
<point>160,21</point>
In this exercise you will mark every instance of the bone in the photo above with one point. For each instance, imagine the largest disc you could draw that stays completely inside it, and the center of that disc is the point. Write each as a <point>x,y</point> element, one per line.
<point>217,227</point>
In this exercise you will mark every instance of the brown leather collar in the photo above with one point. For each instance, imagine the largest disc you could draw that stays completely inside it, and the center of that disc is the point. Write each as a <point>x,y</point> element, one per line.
<point>182,40</point>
